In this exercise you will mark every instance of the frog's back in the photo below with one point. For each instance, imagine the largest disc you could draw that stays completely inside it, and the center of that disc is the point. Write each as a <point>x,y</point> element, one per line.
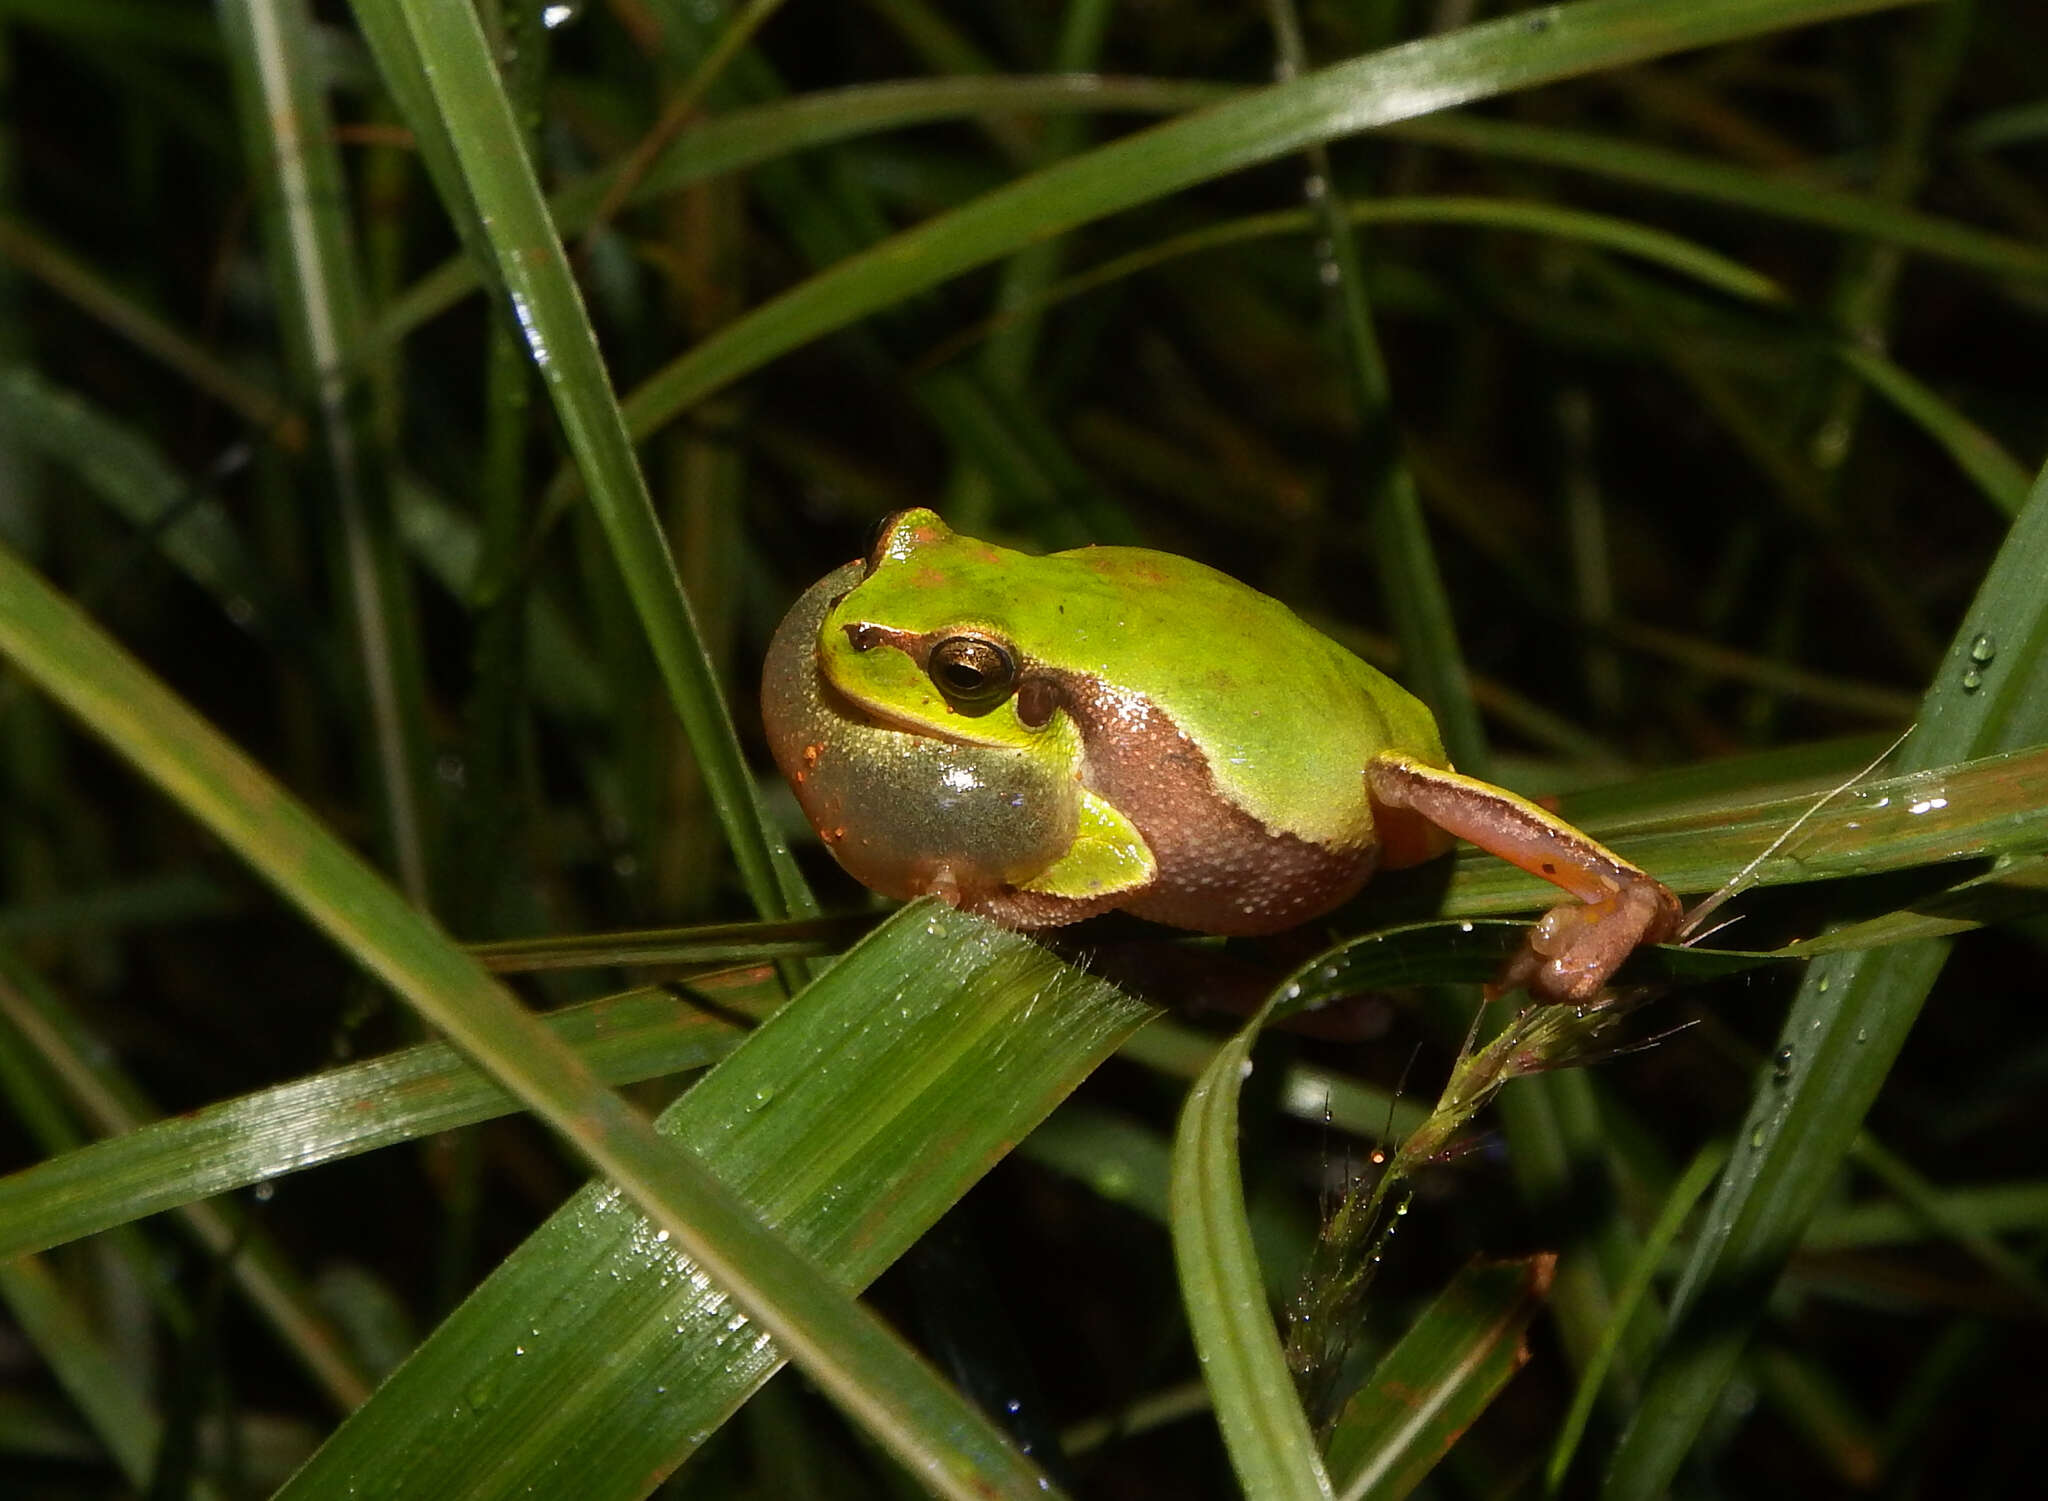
<point>1286,717</point>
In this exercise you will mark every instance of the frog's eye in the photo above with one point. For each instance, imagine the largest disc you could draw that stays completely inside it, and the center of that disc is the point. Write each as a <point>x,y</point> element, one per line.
<point>973,672</point>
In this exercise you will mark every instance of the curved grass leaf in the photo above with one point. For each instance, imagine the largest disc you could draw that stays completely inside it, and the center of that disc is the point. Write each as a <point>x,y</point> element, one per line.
<point>1242,1362</point>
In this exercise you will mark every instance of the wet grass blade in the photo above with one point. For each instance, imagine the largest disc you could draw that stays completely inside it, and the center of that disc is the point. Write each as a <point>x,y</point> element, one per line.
<point>402,1097</point>
<point>917,1416</point>
<point>851,1120</point>
<point>1845,1028</point>
<point>1242,1362</point>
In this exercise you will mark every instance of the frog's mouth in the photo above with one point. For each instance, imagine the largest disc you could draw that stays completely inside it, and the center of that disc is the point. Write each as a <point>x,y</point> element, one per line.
<point>841,701</point>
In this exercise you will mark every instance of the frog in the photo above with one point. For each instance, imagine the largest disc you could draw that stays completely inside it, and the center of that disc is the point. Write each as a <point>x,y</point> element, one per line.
<point>1042,738</point>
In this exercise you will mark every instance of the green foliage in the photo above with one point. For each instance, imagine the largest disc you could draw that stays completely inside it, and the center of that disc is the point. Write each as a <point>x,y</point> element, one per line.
<point>1534,358</point>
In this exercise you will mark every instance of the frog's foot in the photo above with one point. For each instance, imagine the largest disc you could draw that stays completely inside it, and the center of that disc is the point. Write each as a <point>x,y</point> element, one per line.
<point>1571,953</point>
<point>1574,948</point>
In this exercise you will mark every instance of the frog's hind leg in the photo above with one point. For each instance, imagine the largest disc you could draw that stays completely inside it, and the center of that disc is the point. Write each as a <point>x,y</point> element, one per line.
<point>1570,953</point>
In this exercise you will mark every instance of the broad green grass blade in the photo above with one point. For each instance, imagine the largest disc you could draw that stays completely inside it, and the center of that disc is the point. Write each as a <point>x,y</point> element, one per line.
<point>1844,1031</point>
<point>344,1111</point>
<point>853,1355</point>
<point>1445,1371</point>
<point>1480,61</point>
<point>442,47</point>
<point>1242,1362</point>
<point>598,1358</point>
<point>1976,809</point>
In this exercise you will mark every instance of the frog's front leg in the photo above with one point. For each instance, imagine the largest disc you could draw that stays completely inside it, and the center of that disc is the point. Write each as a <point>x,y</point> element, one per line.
<point>1570,953</point>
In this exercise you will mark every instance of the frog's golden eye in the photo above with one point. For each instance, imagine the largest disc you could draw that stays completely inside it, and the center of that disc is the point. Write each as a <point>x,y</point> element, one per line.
<point>973,672</point>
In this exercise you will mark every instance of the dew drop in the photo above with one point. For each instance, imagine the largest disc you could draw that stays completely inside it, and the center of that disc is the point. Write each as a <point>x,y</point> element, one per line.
<point>1782,1066</point>
<point>1756,1139</point>
<point>1983,649</point>
<point>1972,680</point>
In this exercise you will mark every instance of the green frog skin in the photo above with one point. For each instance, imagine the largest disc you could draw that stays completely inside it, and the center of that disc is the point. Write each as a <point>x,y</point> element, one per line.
<point>1039,739</point>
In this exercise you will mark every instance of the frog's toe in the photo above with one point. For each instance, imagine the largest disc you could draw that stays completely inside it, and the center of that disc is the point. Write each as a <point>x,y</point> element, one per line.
<point>1572,952</point>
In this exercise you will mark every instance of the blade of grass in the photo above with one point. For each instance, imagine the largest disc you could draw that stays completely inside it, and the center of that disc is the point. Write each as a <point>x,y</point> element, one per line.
<point>97,1380</point>
<point>1678,1205</point>
<point>73,279</point>
<point>851,1353</point>
<point>1846,1027</point>
<point>290,139</point>
<point>338,1113</point>
<point>743,138</point>
<point>121,468</point>
<point>1433,1385</point>
<point>102,1097</point>
<point>1480,61</point>
<point>595,1359</point>
<point>1243,1366</point>
<point>1736,187</point>
<point>1975,451</point>
<point>441,52</point>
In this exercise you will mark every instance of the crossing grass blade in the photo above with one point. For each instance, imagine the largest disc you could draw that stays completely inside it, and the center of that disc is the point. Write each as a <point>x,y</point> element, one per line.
<point>922,1420</point>
<point>850,1120</point>
<point>1844,1031</point>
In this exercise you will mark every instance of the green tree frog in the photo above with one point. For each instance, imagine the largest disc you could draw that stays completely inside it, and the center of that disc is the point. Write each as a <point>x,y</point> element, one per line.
<point>1038,739</point>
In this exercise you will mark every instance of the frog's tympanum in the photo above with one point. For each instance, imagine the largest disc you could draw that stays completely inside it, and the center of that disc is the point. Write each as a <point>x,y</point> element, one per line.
<point>1039,739</point>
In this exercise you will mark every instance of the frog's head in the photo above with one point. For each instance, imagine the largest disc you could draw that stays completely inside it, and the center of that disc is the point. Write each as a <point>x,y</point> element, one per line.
<point>932,640</point>
<point>904,713</point>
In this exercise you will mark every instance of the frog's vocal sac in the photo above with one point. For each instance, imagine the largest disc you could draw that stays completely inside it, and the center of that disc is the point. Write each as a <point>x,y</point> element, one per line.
<point>1039,739</point>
